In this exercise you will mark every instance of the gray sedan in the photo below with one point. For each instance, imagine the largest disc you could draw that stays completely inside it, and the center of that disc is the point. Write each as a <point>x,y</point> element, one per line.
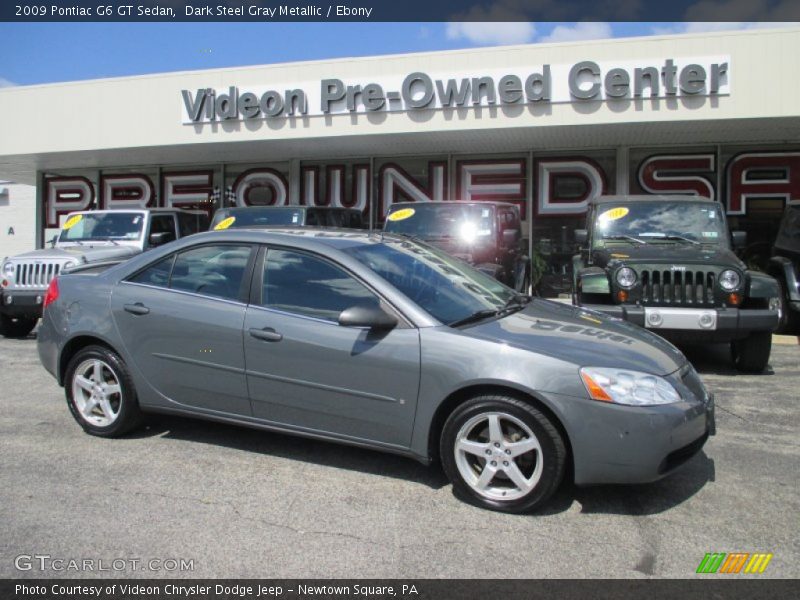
<point>379,341</point>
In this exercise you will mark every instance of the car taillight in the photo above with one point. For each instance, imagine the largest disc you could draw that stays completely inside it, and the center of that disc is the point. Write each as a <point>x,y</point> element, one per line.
<point>52,293</point>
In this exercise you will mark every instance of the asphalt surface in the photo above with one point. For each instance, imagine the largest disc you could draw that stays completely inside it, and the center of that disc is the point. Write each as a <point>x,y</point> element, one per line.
<point>243,503</point>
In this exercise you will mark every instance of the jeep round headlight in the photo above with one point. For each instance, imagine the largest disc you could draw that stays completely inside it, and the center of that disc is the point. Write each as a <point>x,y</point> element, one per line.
<point>69,264</point>
<point>626,277</point>
<point>8,269</point>
<point>729,280</point>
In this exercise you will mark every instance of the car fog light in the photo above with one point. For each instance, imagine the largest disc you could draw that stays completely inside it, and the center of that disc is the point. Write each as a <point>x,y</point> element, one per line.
<point>706,320</point>
<point>655,319</point>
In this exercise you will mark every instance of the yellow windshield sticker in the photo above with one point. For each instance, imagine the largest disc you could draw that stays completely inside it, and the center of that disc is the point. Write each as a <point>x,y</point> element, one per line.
<point>614,213</point>
<point>400,215</point>
<point>72,221</point>
<point>225,223</point>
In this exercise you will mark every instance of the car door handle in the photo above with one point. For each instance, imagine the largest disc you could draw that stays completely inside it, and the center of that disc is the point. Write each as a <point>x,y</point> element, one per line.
<point>136,309</point>
<point>268,334</point>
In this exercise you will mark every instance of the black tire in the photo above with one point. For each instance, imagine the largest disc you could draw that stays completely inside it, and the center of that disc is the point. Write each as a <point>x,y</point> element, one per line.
<point>790,319</point>
<point>550,461</point>
<point>751,354</point>
<point>16,327</point>
<point>128,415</point>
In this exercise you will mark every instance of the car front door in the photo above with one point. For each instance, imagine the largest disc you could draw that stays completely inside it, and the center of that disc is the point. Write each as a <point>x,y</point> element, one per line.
<point>306,371</point>
<point>181,321</point>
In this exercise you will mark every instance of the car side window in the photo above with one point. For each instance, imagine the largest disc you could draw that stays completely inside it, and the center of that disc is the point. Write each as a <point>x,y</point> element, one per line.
<point>299,283</point>
<point>156,274</point>
<point>211,271</point>
<point>162,224</point>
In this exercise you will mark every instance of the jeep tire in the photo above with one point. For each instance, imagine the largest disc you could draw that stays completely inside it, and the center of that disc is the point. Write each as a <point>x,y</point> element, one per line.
<point>751,354</point>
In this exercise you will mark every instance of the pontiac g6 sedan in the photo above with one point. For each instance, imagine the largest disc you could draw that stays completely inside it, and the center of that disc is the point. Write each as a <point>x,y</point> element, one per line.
<point>380,341</point>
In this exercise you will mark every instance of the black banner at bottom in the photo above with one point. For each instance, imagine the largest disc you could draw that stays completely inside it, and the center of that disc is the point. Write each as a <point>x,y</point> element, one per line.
<point>391,589</point>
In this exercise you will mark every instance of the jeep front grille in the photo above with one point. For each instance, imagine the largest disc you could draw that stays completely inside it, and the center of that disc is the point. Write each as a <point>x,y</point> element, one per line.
<point>35,275</point>
<point>678,288</point>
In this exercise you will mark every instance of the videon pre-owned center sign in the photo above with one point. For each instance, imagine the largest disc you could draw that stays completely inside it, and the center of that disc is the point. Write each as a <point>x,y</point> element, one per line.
<point>583,81</point>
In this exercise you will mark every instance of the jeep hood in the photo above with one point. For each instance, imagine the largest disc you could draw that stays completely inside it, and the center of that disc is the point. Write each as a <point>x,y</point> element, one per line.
<point>80,254</point>
<point>666,253</point>
<point>582,337</point>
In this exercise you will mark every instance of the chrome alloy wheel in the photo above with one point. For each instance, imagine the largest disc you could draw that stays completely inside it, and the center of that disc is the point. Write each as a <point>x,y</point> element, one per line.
<point>96,392</point>
<point>498,456</point>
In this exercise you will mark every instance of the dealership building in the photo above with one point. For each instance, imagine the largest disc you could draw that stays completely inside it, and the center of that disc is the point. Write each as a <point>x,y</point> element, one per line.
<point>545,126</point>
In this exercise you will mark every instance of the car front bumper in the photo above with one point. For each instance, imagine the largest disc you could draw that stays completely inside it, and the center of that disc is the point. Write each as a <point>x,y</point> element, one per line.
<point>729,323</point>
<point>612,443</point>
<point>18,303</point>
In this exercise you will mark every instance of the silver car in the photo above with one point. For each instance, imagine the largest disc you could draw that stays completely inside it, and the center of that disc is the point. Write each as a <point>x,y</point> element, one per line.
<point>379,341</point>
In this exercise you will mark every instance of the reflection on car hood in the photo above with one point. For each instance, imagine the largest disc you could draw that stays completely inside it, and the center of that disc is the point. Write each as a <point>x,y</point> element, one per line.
<point>585,338</point>
<point>667,253</point>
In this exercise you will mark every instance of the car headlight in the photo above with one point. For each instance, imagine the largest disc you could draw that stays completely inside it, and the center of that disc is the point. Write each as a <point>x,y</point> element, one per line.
<point>729,280</point>
<point>69,264</point>
<point>8,269</point>
<point>626,277</point>
<point>632,388</point>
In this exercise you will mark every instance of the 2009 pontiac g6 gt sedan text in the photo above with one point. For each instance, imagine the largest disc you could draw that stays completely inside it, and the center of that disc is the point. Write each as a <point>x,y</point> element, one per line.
<point>380,341</point>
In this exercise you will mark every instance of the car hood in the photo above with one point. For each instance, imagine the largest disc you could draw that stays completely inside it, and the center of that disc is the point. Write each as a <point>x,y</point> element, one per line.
<point>667,253</point>
<point>582,337</point>
<point>80,253</point>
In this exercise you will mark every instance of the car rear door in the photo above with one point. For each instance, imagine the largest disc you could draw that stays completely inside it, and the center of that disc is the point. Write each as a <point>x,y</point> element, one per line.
<point>306,371</point>
<point>181,321</point>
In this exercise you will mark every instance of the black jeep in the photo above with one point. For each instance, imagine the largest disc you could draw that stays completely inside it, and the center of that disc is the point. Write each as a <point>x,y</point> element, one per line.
<point>487,235</point>
<point>785,267</point>
<point>666,263</point>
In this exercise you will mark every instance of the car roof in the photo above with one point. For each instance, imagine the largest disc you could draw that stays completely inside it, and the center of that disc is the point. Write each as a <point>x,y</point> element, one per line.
<point>310,238</point>
<point>455,202</point>
<point>290,206</point>
<point>649,198</point>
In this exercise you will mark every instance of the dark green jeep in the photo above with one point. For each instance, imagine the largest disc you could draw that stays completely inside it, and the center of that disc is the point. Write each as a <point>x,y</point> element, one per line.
<point>666,263</point>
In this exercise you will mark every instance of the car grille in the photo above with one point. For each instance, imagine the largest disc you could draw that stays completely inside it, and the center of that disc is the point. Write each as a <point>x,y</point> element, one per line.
<point>35,275</point>
<point>678,288</point>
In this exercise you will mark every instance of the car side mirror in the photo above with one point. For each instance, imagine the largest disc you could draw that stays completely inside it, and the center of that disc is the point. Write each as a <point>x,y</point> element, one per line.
<point>581,236</point>
<point>739,239</point>
<point>371,317</point>
<point>161,238</point>
<point>510,237</point>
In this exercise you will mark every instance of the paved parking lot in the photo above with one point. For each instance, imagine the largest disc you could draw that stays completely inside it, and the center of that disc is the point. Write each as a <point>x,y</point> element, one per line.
<point>243,503</point>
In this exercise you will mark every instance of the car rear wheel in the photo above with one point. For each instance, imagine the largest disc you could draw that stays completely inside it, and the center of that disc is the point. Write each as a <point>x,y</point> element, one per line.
<point>100,393</point>
<point>751,354</point>
<point>502,453</point>
<point>16,327</point>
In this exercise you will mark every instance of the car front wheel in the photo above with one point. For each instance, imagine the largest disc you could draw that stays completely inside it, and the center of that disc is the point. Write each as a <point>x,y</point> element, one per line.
<point>751,354</point>
<point>502,453</point>
<point>100,393</point>
<point>16,327</point>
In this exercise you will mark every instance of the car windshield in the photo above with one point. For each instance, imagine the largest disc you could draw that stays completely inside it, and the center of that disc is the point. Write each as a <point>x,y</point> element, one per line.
<point>116,225</point>
<point>257,217</point>
<point>659,222</point>
<point>448,289</point>
<point>432,221</point>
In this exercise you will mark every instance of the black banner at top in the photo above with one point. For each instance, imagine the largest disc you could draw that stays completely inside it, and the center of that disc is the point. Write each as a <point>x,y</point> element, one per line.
<point>390,10</point>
